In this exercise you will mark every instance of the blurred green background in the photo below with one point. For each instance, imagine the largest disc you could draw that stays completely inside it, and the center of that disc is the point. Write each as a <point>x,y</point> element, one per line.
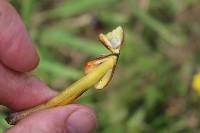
<point>151,88</point>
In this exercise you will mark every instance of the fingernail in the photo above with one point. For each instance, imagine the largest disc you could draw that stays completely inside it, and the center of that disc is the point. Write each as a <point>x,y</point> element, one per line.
<point>81,121</point>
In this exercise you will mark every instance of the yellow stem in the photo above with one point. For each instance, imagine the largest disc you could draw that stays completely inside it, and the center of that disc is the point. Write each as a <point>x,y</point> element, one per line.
<point>70,93</point>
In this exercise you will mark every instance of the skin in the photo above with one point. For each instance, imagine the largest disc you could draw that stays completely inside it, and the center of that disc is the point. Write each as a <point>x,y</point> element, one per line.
<point>19,90</point>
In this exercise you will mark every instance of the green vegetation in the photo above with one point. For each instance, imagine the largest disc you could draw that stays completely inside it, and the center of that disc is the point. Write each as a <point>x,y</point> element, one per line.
<point>151,89</point>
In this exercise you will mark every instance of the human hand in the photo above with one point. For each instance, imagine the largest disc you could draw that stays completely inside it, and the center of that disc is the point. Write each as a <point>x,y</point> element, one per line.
<point>19,90</point>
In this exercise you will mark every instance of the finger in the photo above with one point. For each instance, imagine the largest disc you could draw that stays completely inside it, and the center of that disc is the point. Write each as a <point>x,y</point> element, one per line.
<point>16,50</point>
<point>20,91</point>
<point>68,119</point>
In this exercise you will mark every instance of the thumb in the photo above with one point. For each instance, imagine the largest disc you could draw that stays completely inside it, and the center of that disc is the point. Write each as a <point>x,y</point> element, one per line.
<point>66,119</point>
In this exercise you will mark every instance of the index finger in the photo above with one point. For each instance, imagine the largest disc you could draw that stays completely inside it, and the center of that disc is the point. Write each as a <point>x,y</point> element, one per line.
<point>16,50</point>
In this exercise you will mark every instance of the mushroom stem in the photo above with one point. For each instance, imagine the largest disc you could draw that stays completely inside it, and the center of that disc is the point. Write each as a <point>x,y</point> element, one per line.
<point>70,93</point>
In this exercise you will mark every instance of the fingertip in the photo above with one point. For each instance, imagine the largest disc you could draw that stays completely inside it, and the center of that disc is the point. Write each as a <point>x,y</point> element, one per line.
<point>24,61</point>
<point>82,120</point>
<point>16,48</point>
<point>22,91</point>
<point>72,118</point>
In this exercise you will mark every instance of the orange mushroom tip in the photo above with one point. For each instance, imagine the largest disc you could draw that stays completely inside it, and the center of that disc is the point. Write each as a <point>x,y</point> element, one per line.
<point>98,73</point>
